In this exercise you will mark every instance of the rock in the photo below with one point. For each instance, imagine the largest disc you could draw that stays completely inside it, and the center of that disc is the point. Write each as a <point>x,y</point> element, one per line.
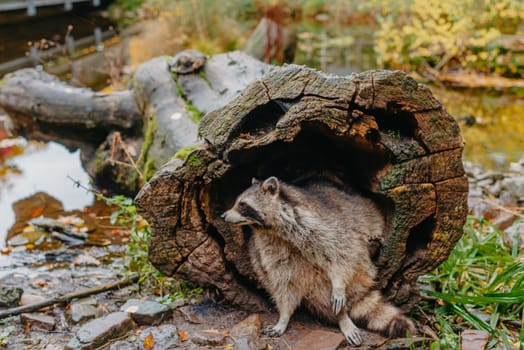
<point>29,299</point>
<point>319,340</point>
<point>187,61</point>
<point>86,260</point>
<point>516,232</point>
<point>210,337</point>
<point>98,332</point>
<point>80,312</point>
<point>515,185</point>
<point>145,311</point>
<point>504,220</point>
<point>165,336</point>
<point>189,315</point>
<point>245,333</point>
<point>472,339</point>
<point>38,320</point>
<point>10,296</point>
<point>178,303</point>
<point>483,209</point>
<point>124,345</point>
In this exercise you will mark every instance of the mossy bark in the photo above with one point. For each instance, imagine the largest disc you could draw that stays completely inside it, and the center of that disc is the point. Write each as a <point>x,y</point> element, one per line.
<point>380,132</point>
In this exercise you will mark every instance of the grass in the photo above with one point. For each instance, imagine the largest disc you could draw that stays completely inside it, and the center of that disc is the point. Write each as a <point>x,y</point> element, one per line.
<point>479,287</point>
<point>137,253</point>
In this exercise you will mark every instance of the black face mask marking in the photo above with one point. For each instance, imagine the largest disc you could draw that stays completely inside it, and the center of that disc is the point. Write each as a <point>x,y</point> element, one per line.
<point>248,212</point>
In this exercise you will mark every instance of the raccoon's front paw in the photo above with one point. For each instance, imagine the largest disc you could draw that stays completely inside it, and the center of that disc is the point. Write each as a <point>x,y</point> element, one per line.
<point>274,330</point>
<point>338,301</point>
<point>353,337</point>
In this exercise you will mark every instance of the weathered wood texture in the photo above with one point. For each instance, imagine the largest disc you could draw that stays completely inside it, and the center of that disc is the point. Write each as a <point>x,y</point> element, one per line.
<point>125,136</point>
<point>380,132</point>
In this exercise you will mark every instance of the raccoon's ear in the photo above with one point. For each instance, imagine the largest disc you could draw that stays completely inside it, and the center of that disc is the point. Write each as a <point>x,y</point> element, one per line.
<point>254,181</point>
<point>271,186</point>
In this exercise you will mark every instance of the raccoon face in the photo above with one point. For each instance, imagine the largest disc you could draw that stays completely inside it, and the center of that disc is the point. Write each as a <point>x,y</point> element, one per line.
<point>253,206</point>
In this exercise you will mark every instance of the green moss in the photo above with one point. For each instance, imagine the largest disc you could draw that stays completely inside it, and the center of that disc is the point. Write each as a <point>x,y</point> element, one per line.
<point>203,75</point>
<point>180,91</point>
<point>149,136</point>
<point>2,82</point>
<point>184,152</point>
<point>193,159</point>
<point>194,113</point>
<point>149,169</point>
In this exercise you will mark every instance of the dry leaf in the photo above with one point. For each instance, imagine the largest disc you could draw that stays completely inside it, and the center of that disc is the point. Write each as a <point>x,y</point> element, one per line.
<point>39,283</point>
<point>37,212</point>
<point>149,342</point>
<point>183,336</point>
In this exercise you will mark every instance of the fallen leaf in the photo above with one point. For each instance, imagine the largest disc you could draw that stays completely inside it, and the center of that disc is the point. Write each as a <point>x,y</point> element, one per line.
<point>39,283</point>
<point>228,347</point>
<point>183,336</point>
<point>6,251</point>
<point>37,212</point>
<point>149,342</point>
<point>473,339</point>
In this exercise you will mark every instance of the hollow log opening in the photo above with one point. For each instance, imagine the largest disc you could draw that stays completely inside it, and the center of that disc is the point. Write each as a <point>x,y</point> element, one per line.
<point>379,133</point>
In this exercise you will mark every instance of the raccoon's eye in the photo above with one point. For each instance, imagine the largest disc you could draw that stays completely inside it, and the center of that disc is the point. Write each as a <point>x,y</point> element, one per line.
<point>243,206</point>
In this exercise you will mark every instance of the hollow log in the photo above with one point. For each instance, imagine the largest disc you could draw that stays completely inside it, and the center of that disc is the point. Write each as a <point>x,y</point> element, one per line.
<point>379,132</point>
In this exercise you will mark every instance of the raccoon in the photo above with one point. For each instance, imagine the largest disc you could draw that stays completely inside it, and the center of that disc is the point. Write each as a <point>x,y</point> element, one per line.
<point>308,238</point>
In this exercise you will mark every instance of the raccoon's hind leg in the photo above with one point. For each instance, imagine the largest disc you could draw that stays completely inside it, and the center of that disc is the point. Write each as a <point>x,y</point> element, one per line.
<point>286,302</point>
<point>349,329</point>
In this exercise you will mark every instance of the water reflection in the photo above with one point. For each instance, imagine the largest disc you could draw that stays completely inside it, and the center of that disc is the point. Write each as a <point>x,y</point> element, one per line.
<point>42,168</point>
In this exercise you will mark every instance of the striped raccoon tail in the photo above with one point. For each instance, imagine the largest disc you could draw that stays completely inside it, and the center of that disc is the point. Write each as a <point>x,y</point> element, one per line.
<point>377,315</point>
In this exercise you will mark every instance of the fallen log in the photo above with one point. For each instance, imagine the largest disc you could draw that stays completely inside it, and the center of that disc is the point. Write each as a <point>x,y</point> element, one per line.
<point>125,136</point>
<point>379,132</point>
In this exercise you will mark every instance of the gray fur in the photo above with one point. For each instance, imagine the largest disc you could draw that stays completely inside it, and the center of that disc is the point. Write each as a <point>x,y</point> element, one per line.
<point>306,239</point>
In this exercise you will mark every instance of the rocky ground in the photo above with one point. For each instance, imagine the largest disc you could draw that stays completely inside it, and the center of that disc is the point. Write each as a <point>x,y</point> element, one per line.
<point>130,318</point>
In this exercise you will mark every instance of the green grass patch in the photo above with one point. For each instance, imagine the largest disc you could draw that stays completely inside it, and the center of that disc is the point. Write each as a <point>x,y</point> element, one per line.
<point>137,262</point>
<point>478,287</point>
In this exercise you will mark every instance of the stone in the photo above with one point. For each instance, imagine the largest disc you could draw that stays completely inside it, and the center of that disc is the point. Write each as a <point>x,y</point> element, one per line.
<point>124,345</point>
<point>29,299</point>
<point>38,320</point>
<point>146,311</point>
<point>210,337</point>
<point>10,296</point>
<point>80,312</point>
<point>165,336</point>
<point>99,331</point>
<point>515,185</point>
<point>319,340</point>
<point>472,339</point>
<point>516,232</point>
<point>246,332</point>
<point>189,315</point>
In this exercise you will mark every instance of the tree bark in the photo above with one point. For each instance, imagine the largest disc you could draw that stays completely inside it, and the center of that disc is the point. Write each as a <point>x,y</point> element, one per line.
<point>380,132</point>
<point>125,136</point>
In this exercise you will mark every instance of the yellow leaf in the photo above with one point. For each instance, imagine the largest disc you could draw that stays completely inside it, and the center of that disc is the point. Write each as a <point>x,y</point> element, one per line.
<point>149,342</point>
<point>183,336</point>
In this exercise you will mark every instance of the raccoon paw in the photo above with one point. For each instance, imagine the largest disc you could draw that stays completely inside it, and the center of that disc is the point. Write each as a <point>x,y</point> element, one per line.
<point>338,301</point>
<point>274,330</point>
<point>354,337</point>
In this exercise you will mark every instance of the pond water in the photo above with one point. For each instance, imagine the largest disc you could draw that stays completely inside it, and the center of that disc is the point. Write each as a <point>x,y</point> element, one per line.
<point>18,31</point>
<point>41,167</point>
